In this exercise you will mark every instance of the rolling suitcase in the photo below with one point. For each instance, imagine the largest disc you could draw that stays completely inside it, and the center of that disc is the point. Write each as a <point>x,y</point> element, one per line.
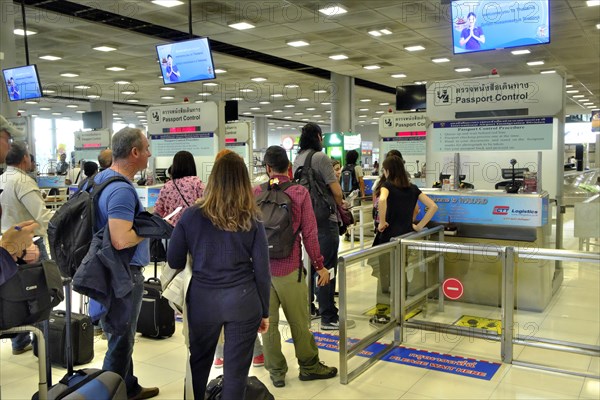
<point>86,383</point>
<point>157,318</point>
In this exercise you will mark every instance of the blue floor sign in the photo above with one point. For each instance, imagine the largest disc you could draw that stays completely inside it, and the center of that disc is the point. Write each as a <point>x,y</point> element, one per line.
<point>470,367</point>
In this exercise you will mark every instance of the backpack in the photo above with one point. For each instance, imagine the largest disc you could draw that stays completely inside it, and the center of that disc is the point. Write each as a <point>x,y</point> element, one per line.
<point>71,229</point>
<point>348,179</point>
<point>29,295</point>
<point>276,208</point>
<point>320,194</point>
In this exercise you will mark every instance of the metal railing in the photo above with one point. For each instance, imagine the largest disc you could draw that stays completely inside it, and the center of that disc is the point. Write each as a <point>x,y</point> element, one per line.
<point>398,252</point>
<point>346,350</point>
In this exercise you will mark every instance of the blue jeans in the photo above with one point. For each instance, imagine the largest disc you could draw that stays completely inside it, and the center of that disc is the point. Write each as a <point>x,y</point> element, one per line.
<point>329,242</point>
<point>120,348</point>
<point>21,340</point>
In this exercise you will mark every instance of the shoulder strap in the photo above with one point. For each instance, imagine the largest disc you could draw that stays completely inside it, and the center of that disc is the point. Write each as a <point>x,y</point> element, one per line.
<point>96,189</point>
<point>184,200</point>
<point>308,161</point>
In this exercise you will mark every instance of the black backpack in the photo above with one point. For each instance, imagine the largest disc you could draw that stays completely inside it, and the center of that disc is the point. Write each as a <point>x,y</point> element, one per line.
<point>276,208</point>
<point>320,194</point>
<point>348,179</point>
<point>71,229</point>
<point>29,295</point>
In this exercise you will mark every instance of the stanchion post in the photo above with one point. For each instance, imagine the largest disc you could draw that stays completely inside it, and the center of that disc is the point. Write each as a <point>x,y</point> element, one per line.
<point>508,303</point>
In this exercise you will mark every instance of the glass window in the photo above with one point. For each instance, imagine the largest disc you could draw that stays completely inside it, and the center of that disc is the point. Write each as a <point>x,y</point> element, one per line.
<point>44,143</point>
<point>65,135</point>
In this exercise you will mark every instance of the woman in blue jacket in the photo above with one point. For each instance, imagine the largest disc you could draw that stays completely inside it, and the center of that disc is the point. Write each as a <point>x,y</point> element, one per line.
<point>231,281</point>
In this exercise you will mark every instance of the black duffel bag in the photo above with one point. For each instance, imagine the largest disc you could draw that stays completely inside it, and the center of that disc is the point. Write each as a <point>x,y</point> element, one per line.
<point>29,295</point>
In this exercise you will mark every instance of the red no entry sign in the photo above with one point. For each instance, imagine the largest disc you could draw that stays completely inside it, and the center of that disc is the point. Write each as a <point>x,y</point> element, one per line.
<point>452,288</point>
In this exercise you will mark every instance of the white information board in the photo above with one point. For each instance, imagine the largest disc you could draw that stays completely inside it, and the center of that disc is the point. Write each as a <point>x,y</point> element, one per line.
<point>407,133</point>
<point>537,94</point>
<point>87,140</point>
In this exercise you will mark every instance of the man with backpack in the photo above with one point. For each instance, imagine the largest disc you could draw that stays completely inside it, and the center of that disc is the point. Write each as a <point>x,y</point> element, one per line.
<point>288,215</point>
<point>117,206</point>
<point>313,169</point>
<point>352,175</point>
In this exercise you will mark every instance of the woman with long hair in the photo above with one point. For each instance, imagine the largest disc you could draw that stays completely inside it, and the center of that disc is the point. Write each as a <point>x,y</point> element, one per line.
<point>182,190</point>
<point>397,205</point>
<point>231,281</point>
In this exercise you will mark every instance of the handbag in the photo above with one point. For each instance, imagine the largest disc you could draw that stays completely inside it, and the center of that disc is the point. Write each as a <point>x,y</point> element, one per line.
<point>345,218</point>
<point>29,295</point>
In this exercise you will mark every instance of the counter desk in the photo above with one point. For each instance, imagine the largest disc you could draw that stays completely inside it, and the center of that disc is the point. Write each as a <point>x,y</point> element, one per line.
<point>493,217</point>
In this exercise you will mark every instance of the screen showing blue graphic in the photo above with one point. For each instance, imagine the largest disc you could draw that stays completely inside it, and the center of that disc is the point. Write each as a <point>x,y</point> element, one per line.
<point>186,61</point>
<point>22,83</point>
<point>491,24</point>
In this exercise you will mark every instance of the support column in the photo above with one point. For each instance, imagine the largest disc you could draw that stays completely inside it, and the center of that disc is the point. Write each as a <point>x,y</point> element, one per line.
<point>8,59</point>
<point>107,112</point>
<point>342,103</point>
<point>261,132</point>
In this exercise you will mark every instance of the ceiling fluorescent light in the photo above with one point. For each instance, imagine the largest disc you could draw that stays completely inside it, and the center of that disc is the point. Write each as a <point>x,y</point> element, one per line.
<point>21,32</point>
<point>533,63</point>
<point>115,68</point>
<point>385,31</point>
<point>331,11</point>
<point>414,48</point>
<point>132,100</point>
<point>240,26</point>
<point>123,82</point>
<point>45,108</point>
<point>167,3</point>
<point>440,60</point>
<point>50,57</point>
<point>31,102</point>
<point>597,26</point>
<point>220,71</point>
<point>72,106</point>
<point>549,71</point>
<point>398,76</point>
<point>339,57</point>
<point>572,91</point>
<point>371,67</point>
<point>588,104</point>
<point>583,100</point>
<point>375,33</point>
<point>48,91</point>
<point>365,100</point>
<point>82,87</point>
<point>520,52</point>
<point>69,74</point>
<point>127,92</point>
<point>578,96</point>
<point>592,3</point>
<point>297,43</point>
<point>210,84</point>
<point>568,86</point>
<point>466,69</point>
<point>258,79</point>
<point>104,48</point>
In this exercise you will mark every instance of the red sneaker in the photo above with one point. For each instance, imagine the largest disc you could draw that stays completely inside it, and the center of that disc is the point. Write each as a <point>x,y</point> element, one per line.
<point>218,363</point>
<point>258,361</point>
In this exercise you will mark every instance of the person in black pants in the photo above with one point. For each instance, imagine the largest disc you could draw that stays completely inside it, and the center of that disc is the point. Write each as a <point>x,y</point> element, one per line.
<point>231,280</point>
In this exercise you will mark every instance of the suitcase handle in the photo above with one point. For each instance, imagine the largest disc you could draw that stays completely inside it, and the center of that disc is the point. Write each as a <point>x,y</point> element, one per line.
<point>153,280</point>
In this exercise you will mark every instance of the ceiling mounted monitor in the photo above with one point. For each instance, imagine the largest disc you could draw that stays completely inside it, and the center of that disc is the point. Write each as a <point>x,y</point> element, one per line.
<point>186,61</point>
<point>22,83</point>
<point>481,25</point>
<point>411,97</point>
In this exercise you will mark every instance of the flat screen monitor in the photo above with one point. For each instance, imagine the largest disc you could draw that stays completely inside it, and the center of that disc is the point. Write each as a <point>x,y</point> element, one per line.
<point>92,120</point>
<point>411,97</point>
<point>480,25</point>
<point>22,83</point>
<point>186,61</point>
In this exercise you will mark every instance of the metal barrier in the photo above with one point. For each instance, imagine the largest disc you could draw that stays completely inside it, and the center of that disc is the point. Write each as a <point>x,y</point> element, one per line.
<point>398,252</point>
<point>347,352</point>
<point>362,226</point>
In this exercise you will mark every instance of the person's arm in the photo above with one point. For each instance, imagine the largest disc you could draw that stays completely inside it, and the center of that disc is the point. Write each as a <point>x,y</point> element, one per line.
<point>310,238</point>
<point>430,207</point>
<point>463,40</point>
<point>262,272</point>
<point>336,190</point>
<point>382,206</point>
<point>17,239</point>
<point>480,38</point>
<point>121,207</point>
<point>416,211</point>
<point>178,248</point>
<point>35,205</point>
<point>159,207</point>
<point>122,234</point>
